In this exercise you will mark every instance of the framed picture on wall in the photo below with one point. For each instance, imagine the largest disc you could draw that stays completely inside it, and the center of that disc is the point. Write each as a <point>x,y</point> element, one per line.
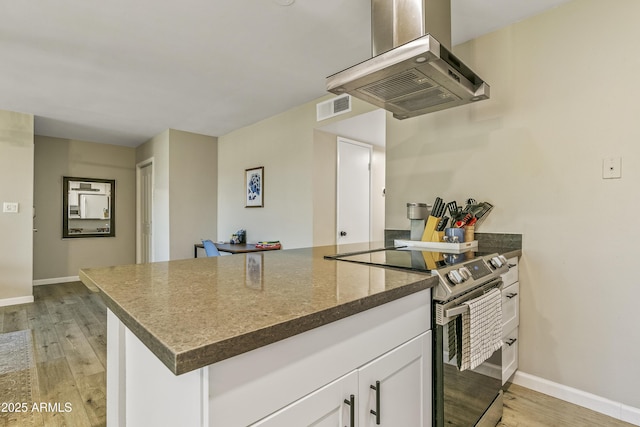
<point>88,207</point>
<point>254,187</point>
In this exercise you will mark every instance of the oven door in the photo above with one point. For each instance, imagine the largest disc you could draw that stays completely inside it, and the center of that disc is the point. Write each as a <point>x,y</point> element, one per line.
<point>464,398</point>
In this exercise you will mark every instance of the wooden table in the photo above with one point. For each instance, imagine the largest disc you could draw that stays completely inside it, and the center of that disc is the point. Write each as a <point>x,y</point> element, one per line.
<point>239,248</point>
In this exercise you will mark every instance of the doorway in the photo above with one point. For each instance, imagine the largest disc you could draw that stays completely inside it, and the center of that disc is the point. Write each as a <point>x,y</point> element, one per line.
<point>368,128</point>
<point>144,212</point>
<point>353,202</point>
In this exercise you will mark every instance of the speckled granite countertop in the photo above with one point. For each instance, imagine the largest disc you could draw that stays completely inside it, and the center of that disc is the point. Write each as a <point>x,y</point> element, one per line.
<point>192,313</point>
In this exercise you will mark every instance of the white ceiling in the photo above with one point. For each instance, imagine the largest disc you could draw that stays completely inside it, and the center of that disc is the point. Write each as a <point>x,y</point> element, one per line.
<point>122,71</point>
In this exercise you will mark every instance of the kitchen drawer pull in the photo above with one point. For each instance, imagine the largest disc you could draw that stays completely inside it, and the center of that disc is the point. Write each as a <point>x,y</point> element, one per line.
<point>512,295</point>
<point>352,410</point>
<point>377,411</point>
<point>511,341</point>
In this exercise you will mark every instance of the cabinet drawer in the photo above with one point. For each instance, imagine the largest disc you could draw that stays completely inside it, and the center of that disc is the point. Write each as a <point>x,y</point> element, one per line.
<point>510,307</point>
<point>511,276</point>
<point>509,355</point>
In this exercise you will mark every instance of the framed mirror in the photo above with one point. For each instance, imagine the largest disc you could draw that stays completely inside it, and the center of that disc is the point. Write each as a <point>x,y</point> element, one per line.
<point>88,207</point>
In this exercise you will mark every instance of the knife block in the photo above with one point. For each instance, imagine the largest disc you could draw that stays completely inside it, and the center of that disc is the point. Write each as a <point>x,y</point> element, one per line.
<point>429,229</point>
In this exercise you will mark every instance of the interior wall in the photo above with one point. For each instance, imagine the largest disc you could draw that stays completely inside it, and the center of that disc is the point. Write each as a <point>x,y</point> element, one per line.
<point>559,105</point>
<point>324,188</point>
<point>193,185</point>
<point>378,177</point>
<point>284,145</point>
<point>16,185</point>
<point>55,257</point>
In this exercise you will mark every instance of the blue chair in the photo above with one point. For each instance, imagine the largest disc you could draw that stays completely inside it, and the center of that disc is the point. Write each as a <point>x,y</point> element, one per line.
<point>210,248</point>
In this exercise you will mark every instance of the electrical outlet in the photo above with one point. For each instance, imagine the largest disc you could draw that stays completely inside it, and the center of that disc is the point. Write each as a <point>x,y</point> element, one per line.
<point>10,207</point>
<point>612,168</point>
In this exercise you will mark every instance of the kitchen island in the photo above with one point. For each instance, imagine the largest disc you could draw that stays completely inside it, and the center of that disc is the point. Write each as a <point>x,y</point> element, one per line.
<point>265,339</point>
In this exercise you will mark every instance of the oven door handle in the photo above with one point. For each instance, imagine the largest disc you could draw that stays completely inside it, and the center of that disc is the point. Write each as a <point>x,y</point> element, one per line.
<point>455,311</point>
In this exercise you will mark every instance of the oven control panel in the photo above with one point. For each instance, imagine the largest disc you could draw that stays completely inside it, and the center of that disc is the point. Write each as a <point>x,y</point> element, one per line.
<point>461,278</point>
<point>478,269</point>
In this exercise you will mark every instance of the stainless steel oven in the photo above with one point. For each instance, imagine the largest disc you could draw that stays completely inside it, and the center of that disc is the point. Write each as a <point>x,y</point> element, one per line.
<point>470,397</point>
<point>462,397</point>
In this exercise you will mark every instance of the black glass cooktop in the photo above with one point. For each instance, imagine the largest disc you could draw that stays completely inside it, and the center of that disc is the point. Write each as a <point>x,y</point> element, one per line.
<point>406,259</point>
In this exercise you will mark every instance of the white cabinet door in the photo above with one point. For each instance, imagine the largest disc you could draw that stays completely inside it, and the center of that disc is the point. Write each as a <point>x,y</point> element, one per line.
<point>509,355</point>
<point>325,407</point>
<point>510,308</point>
<point>403,379</point>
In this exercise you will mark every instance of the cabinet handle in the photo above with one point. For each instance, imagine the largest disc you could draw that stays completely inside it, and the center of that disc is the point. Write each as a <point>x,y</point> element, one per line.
<point>512,265</point>
<point>511,341</point>
<point>377,411</point>
<point>512,295</point>
<point>352,410</point>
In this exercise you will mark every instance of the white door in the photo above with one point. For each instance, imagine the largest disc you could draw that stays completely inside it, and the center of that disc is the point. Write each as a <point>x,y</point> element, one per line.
<point>353,220</point>
<point>403,381</point>
<point>325,407</point>
<point>145,212</point>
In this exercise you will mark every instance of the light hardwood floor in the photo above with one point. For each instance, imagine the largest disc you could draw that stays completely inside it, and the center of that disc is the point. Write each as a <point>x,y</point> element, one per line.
<point>69,325</point>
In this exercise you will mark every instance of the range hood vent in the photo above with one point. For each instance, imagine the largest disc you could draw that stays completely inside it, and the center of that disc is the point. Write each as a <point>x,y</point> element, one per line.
<point>412,71</point>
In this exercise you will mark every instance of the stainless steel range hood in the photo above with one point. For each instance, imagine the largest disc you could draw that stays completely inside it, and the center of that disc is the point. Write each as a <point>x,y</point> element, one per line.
<point>412,71</point>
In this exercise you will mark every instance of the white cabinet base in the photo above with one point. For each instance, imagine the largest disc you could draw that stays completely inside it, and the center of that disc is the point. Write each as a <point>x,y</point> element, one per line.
<point>247,388</point>
<point>510,320</point>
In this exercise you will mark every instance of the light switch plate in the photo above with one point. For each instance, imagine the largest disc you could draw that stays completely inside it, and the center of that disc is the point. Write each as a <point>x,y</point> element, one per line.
<point>10,207</point>
<point>612,168</point>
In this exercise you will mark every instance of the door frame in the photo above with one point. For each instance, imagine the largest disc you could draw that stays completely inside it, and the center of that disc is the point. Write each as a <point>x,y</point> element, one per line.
<point>340,139</point>
<point>139,166</point>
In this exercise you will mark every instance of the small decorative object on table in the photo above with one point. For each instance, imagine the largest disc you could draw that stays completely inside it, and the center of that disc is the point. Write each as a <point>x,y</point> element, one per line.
<point>239,237</point>
<point>273,244</point>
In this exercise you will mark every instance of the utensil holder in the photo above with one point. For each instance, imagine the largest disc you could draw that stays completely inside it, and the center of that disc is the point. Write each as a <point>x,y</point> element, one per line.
<point>469,233</point>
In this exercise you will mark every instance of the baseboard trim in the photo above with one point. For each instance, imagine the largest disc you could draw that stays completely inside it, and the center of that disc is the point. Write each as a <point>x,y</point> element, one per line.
<point>15,301</point>
<point>55,280</point>
<point>596,403</point>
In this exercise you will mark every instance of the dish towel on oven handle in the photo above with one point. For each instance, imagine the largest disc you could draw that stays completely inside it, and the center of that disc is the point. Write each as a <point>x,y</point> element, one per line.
<point>481,329</point>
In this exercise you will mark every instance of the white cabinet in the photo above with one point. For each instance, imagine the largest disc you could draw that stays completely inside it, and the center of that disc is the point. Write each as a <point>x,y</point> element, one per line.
<point>302,380</point>
<point>326,407</point>
<point>510,320</point>
<point>395,389</point>
<point>392,390</point>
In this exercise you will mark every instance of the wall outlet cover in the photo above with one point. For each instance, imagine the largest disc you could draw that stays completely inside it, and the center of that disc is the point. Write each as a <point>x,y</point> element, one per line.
<point>612,168</point>
<point>10,207</point>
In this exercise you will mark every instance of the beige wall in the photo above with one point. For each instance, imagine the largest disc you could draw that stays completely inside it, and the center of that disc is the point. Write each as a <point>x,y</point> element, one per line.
<point>185,191</point>
<point>16,185</point>
<point>192,190</point>
<point>55,257</point>
<point>324,188</point>
<point>563,97</point>
<point>284,145</point>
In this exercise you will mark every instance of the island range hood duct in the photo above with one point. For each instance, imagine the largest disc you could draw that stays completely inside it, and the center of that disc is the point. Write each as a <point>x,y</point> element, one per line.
<point>412,71</point>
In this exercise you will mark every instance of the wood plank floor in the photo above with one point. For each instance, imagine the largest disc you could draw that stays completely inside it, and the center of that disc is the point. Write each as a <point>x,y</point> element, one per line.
<point>527,408</point>
<point>69,325</point>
